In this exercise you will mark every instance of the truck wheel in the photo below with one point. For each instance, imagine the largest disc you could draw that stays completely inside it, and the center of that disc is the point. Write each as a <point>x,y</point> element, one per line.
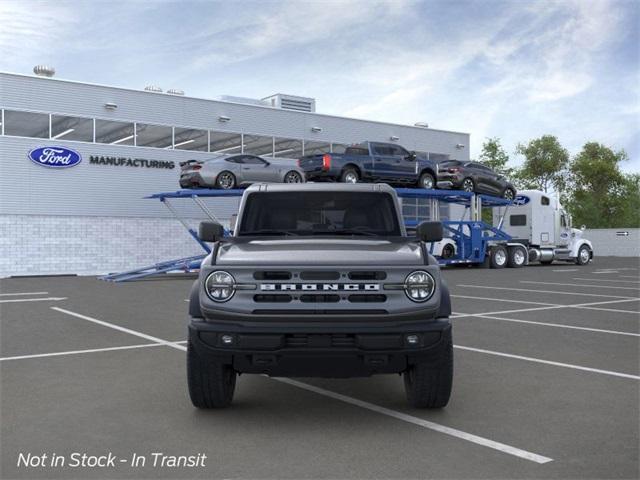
<point>211,384</point>
<point>428,385</point>
<point>499,257</point>
<point>349,175</point>
<point>584,255</point>
<point>517,257</point>
<point>427,181</point>
<point>226,180</point>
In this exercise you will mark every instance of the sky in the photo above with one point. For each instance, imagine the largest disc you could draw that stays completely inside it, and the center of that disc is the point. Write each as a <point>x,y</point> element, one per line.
<point>509,69</point>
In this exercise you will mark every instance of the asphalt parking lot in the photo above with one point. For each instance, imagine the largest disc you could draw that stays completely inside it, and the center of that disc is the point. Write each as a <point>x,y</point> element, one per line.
<point>546,386</point>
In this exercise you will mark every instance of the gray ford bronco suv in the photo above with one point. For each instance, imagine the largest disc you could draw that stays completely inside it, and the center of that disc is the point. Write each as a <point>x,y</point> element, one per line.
<point>319,280</point>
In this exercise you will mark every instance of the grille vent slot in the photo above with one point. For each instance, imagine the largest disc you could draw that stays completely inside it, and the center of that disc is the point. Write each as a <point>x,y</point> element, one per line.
<point>356,298</point>
<point>367,275</point>
<point>267,298</point>
<point>272,275</point>
<point>320,298</point>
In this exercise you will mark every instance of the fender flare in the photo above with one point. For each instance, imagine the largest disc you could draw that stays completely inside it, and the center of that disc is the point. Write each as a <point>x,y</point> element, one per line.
<point>580,243</point>
<point>194,301</point>
<point>445,300</point>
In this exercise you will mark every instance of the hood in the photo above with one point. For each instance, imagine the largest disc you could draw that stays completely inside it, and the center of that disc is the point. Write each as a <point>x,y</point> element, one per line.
<point>326,251</point>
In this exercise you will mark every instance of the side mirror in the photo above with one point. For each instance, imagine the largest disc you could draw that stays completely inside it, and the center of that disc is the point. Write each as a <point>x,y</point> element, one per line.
<point>210,231</point>
<point>430,231</point>
<point>412,156</point>
<point>583,228</point>
<point>233,222</point>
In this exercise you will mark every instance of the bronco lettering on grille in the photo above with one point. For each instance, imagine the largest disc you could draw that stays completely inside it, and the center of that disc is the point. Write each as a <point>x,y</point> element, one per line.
<point>311,287</point>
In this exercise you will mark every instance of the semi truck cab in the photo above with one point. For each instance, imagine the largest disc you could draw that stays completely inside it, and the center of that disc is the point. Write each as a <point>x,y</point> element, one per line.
<point>538,221</point>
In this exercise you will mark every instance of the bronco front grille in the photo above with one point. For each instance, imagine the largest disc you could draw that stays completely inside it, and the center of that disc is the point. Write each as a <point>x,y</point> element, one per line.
<point>320,341</point>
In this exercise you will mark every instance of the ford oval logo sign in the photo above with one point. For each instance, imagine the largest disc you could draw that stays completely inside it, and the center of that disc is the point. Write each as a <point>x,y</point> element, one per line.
<point>55,157</point>
<point>521,200</point>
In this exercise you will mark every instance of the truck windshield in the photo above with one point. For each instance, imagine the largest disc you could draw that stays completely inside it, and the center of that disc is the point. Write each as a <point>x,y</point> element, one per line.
<point>319,213</point>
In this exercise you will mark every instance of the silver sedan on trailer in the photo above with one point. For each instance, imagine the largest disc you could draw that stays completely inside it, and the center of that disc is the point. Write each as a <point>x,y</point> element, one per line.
<point>233,171</point>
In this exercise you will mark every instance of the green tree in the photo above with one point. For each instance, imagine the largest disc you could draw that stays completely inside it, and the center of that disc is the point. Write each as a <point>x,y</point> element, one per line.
<point>600,195</point>
<point>494,156</point>
<point>545,164</point>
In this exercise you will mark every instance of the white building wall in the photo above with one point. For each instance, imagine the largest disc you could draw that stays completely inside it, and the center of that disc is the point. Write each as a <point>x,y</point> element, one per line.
<point>54,245</point>
<point>613,241</point>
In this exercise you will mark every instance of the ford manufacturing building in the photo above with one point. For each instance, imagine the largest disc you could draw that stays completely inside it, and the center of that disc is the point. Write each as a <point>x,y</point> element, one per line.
<point>93,218</point>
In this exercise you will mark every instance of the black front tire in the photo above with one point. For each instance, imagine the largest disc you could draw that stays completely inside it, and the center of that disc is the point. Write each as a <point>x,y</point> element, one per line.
<point>427,384</point>
<point>584,255</point>
<point>211,384</point>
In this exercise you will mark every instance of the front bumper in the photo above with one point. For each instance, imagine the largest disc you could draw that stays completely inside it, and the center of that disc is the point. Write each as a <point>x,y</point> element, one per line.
<point>333,350</point>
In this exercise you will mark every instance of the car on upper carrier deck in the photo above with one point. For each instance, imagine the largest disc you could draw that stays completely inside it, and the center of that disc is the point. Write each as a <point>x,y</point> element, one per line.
<point>474,177</point>
<point>372,162</point>
<point>238,170</point>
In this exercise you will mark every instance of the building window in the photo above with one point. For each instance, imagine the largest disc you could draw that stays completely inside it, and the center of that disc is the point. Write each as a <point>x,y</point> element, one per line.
<point>315,148</point>
<point>26,124</point>
<point>287,148</point>
<point>157,136</point>
<point>190,139</point>
<point>258,145</point>
<point>225,143</point>
<point>114,133</point>
<point>71,128</point>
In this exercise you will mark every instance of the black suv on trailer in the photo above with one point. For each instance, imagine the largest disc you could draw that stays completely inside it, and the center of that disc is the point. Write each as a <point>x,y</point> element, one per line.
<point>320,280</point>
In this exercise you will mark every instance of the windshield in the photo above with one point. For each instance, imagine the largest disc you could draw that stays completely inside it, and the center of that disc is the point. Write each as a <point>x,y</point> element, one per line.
<point>319,213</point>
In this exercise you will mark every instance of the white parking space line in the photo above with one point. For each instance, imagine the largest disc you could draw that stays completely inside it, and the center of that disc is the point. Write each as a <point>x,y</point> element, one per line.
<point>398,415</point>
<point>92,350</point>
<point>528,290</point>
<point>20,300</point>
<point>614,310</point>
<point>628,276</point>
<point>22,293</point>
<point>551,307</point>
<point>485,442</point>
<point>502,300</point>
<point>121,329</point>
<point>546,324</point>
<point>567,270</point>
<point>605,280</point>
<point>581,285</point>
<point>549,362</point>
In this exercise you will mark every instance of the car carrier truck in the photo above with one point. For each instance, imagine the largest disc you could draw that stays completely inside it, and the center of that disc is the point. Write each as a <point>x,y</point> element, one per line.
<point>320,280</point>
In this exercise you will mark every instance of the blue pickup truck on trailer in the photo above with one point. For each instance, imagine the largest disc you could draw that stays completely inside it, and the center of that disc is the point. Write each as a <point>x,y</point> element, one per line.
<point>372,162</point>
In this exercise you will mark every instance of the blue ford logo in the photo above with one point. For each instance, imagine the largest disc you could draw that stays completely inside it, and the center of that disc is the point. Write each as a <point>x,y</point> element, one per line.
<point>521,200</point>
<point>55,157</point>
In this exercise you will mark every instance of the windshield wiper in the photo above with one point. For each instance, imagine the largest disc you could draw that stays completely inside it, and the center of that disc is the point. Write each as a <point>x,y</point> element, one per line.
<point>268,231</point>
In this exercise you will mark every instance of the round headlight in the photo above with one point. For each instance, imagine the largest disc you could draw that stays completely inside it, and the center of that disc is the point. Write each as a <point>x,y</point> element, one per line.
<point>419,286</point>
<point>220,286</point>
